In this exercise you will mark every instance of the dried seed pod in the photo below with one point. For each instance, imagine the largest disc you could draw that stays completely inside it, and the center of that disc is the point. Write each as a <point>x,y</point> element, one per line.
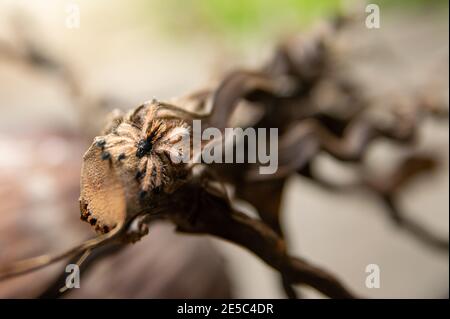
<point>102,197</point>
<point>143,150</point>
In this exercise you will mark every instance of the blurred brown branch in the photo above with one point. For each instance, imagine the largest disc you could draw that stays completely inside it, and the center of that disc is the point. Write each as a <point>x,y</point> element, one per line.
<point>129,180</point>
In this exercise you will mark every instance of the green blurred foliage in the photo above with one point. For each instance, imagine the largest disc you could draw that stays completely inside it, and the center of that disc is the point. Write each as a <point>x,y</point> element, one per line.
<point>412,4</point>
<point>248,15</point>
<point>245,19</point>
<point>238,16</point>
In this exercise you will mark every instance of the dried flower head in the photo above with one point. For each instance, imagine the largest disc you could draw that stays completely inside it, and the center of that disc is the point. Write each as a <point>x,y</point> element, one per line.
<point>143,149</point>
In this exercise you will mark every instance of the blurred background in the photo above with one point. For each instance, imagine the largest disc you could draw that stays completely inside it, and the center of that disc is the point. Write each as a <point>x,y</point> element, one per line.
<point>60,76</point>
